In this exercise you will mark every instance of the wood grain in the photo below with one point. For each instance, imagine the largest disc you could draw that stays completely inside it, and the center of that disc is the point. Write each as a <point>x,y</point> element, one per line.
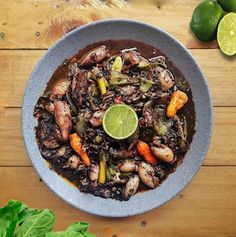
<point>38,24</point>
<point>205,208</point>
<point>222,149</point>
<point>17,65</point>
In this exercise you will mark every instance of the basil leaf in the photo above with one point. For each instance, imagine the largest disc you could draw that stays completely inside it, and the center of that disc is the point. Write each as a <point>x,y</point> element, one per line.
<point>36,225</point>
<point>64,234</point>
<point>78,226</point>
<point>8,221</point>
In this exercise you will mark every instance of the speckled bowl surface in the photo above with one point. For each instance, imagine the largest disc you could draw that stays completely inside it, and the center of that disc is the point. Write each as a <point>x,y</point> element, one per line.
<point>182,59</point>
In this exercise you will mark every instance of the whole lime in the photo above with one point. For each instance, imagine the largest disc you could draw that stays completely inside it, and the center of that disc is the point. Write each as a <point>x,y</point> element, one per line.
<point>205,19</point>
<point>228,5</point>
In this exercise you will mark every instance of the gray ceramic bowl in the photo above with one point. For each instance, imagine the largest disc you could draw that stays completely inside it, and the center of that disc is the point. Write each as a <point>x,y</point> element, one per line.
<point>120,29</point>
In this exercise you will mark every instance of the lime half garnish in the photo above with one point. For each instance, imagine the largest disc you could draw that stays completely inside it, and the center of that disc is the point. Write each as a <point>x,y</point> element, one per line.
<point>120,121</point>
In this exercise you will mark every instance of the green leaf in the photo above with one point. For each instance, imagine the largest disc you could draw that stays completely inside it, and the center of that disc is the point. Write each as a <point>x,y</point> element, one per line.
<point>143,63</point>
<point>146,85</point>
<point>64,234</point>
<point>36,225</point>
<point>17,205</point>
<point>18,220</point>
<point>22,210</point>
<point>8,221</point>
<point>118,78</point>
<point>117,65</point>
<point>88,234</point>
<point>78,226</point>
<point>22,216</point>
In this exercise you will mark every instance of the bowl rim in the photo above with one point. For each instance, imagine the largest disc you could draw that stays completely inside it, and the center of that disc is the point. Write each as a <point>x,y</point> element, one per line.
<point>187,180</point>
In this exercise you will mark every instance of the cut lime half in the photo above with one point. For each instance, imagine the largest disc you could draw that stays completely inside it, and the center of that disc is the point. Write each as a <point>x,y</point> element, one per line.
<point>226,34</point>
<point>120,121</point>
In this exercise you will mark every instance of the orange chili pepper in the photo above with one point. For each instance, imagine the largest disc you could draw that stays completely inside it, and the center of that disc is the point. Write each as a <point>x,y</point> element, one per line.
<point>178,100</point>
<point>76,144</point>
<point>145,151</point>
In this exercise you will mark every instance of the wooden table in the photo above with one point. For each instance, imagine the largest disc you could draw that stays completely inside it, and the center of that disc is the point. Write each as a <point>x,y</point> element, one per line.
<point>207,207</point>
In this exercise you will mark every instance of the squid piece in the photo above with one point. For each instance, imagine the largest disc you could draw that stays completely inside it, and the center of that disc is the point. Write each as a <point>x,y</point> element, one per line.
<point>96,119</point>
<point>59,90</point>
<point>163,152</point>
<point>94,175</point>
<point>73,162</point>
<point>166,78</point>
<point>128,166</point>
<point>94,56</point>
<point>44,104</point>
<point>131,186</point>
<point>94,172</point>
<point>124,154</point>
<point>63,119</point>
<point>79,87</point>
<point>118,179</point>
<point>148,114</point>
<point>147,175</point>
<point>131,58</point>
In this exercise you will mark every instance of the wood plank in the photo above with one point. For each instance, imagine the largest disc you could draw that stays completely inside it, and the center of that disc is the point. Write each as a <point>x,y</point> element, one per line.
<point>220,72</point>
<point>205,208</point>
<point>13,152</point>
<point>38,24</point>
<point>222,150</point>
<point>16,67</point>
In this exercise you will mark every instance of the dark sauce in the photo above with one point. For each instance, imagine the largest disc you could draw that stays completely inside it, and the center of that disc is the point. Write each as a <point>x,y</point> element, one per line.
<point>147,51</point>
